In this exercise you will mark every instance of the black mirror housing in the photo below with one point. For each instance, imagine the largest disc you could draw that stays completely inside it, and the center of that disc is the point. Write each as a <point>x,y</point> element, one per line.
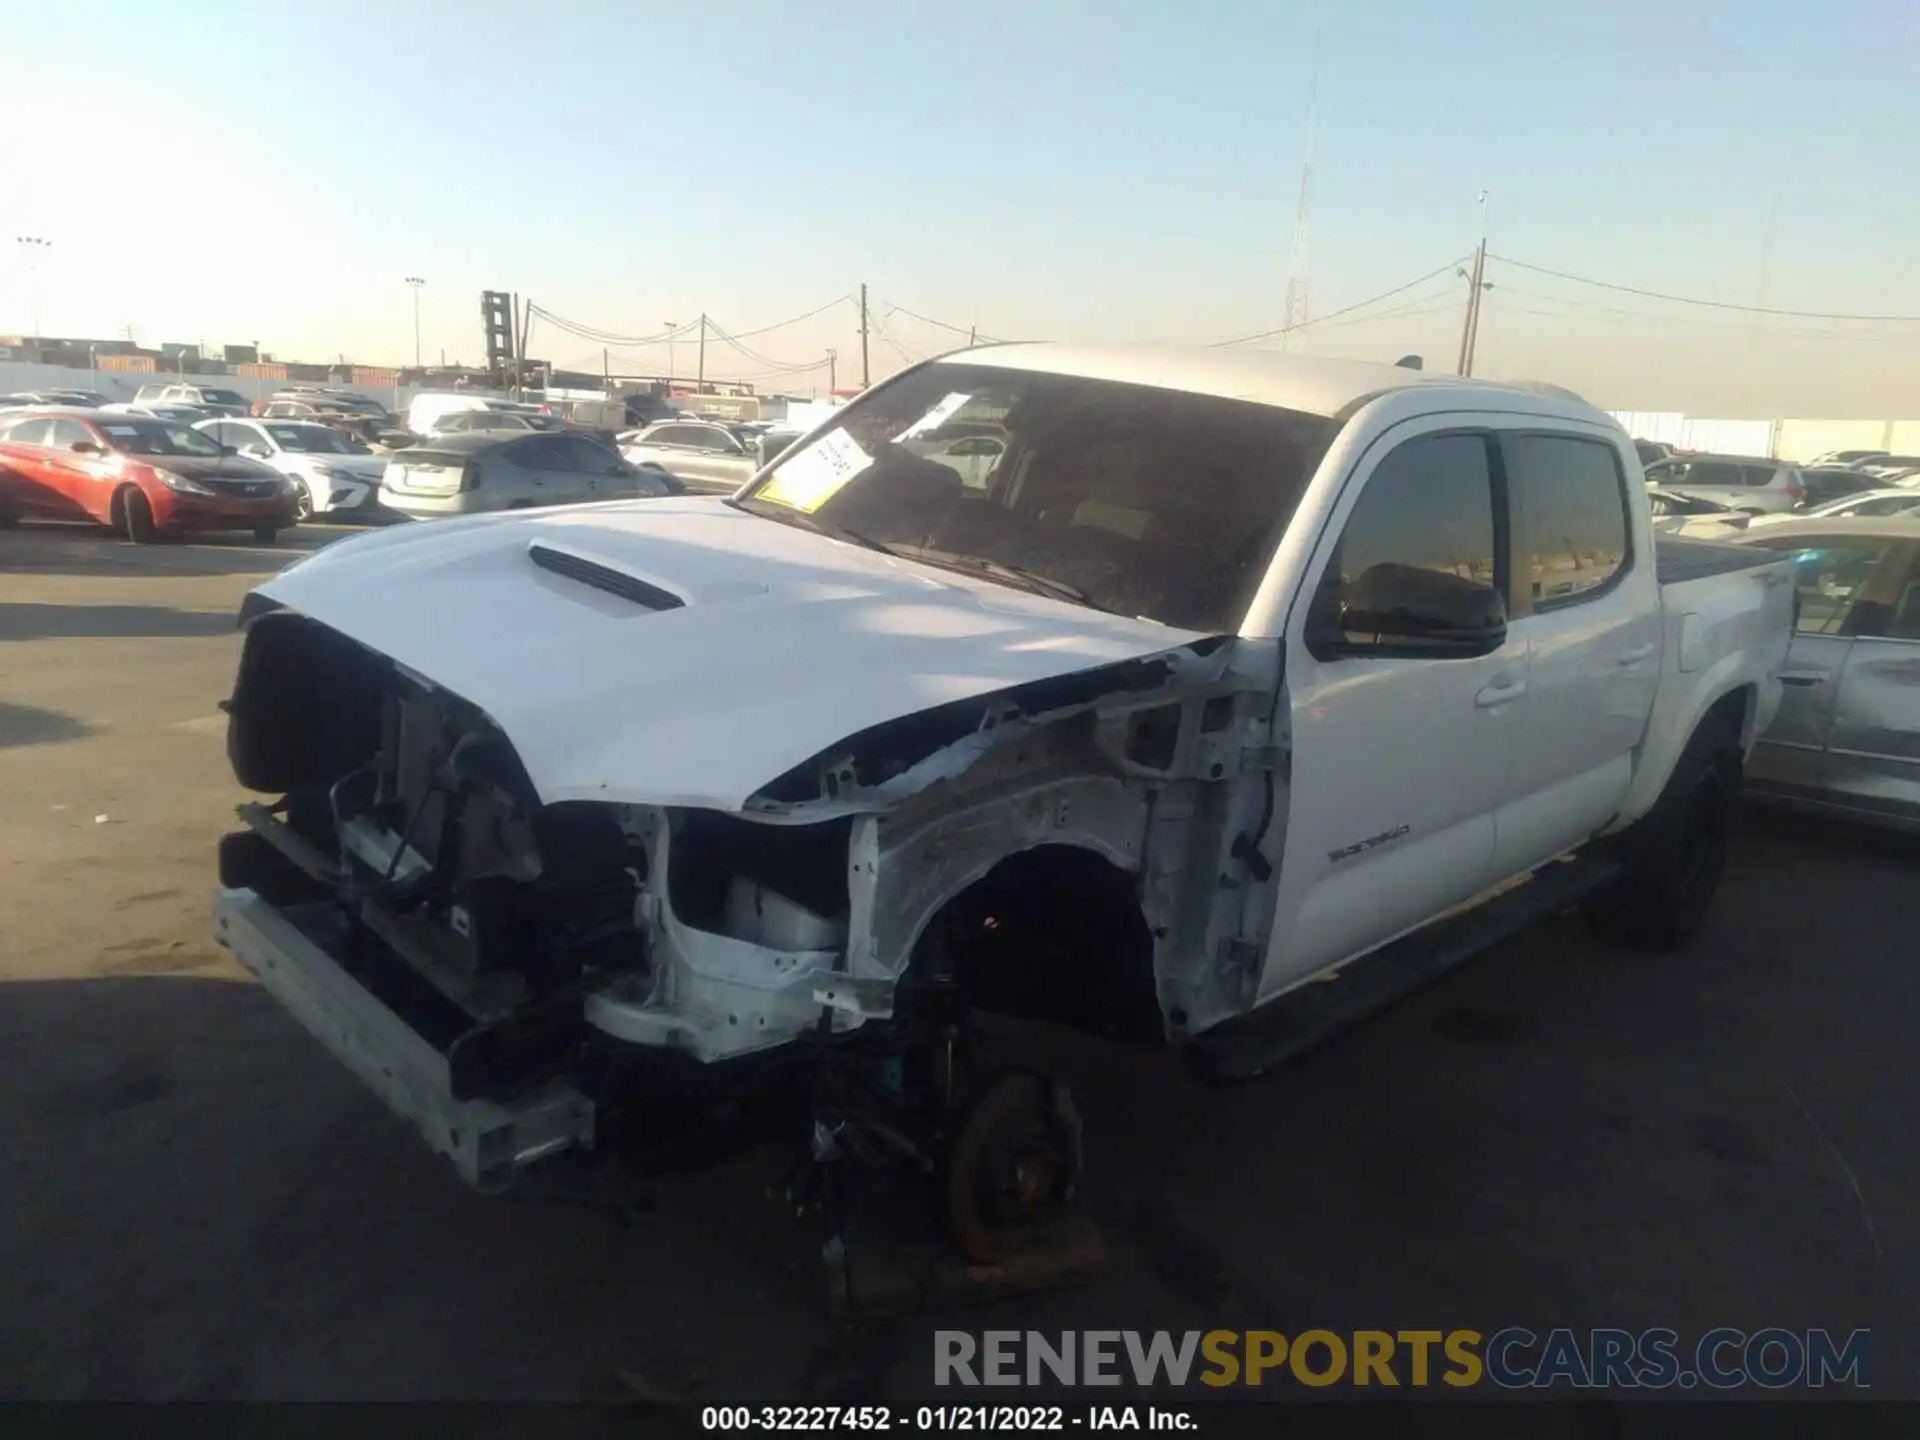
<point>1403,610</point>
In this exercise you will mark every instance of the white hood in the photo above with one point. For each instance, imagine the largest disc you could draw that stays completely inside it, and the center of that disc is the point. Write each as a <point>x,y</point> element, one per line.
<point>787,642</point>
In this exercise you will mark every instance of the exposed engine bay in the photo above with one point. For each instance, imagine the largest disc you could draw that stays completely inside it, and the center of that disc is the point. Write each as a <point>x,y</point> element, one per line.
<point>1085,849</point>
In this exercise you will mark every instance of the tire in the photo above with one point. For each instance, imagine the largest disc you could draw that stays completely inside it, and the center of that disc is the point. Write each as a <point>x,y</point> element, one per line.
<point>302,501</point>
<point>9,512</point>
<point>266,534</point>
<point>139,512</point>
<point>1673,858</point>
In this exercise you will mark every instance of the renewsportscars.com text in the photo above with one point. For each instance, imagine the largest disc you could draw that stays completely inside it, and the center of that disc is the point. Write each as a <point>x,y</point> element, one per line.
<point>1513,1358</point>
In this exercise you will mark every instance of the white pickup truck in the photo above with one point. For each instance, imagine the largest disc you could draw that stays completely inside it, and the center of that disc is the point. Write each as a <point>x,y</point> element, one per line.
<point>1234,671</point>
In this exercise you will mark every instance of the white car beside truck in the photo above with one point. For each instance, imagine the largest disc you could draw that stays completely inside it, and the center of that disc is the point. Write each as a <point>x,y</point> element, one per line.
<point>1235,674</point>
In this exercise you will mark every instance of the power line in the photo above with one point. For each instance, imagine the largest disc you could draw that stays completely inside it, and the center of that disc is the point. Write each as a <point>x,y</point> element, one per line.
<point>894,345</point>
<point>1700,325</point>
<point>607,337</point>
<point>1412,311</point>
<point>734,342</point>
<point>1709,304</point>
<point>1433,274</point>
<point>782,324</point>
<point>929,320</point>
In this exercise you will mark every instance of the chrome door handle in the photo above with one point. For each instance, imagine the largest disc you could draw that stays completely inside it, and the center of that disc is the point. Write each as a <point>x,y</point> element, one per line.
<point>1499,693</point>
<point>1635,655</point>
<point>1803,679</point>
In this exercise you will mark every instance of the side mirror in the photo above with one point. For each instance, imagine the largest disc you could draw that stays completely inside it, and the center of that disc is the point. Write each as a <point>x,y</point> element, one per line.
<point>1405,610</point>
<point>255,451</point>
<point>85,447</point>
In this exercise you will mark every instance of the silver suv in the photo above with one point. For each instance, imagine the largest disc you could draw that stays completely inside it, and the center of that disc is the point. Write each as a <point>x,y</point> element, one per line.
<point>1743,482</point>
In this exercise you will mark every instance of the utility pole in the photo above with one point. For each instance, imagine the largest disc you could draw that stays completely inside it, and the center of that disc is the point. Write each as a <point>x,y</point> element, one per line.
<point>34,246</point>
<point>606,372</point>
<point>973,336</point>
<point>414,282</point>
<point>700,373</point>
<point>670,329</point>
<point>833,370</point>
<point>1476,287</point>
<point>864,381</point>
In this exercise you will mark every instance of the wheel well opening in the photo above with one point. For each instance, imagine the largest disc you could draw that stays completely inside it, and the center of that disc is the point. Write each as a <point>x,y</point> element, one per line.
<point>1732,710</point>
<point>1056,934</point>
<point>117,508</point>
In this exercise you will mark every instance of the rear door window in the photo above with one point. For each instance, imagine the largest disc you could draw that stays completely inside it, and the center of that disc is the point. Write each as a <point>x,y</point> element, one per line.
<point>586,456</point>
<point>29,432</point>
<point>543,452</point>
<point>1713,472</point>
<point>1570,507</point>
<point>1831,580</point>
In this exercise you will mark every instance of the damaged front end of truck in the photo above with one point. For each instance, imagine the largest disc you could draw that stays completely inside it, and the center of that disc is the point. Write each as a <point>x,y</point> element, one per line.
<point>507,972</point>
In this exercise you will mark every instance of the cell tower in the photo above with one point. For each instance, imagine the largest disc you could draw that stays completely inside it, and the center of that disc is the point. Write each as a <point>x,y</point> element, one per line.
<point>1297,279</point>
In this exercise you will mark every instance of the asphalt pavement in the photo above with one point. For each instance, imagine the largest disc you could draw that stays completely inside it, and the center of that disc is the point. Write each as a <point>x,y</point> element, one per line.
<point>201,1204</point>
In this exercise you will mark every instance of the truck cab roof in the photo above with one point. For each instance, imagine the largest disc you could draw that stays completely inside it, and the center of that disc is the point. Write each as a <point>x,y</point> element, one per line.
<point>1308,384</point>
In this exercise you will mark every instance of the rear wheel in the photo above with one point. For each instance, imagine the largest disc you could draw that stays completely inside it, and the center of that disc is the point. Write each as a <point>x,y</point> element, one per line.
<point>1673,858</point>
<point>141,529</point>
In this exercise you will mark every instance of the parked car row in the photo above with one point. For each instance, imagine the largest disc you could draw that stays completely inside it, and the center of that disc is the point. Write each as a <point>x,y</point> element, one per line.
<point>143,476</point>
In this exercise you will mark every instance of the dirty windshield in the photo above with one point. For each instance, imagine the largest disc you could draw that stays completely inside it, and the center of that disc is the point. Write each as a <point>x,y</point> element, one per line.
<point>1127,498</point>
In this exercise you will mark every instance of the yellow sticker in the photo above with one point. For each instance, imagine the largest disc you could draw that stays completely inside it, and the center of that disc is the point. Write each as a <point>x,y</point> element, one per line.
<point>806,481</point>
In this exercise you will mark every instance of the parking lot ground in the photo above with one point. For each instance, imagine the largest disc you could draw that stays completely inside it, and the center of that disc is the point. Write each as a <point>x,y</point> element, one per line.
<point>201,1203</point>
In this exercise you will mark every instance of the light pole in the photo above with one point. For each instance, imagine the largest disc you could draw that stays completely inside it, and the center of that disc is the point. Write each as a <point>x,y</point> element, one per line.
<point>669,325</point>
<point>414,282</point>
<point>34,247</point>
<point>833,371</point>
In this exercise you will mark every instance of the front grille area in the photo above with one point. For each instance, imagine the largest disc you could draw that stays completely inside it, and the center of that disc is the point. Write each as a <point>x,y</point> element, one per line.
<point>252,489</point>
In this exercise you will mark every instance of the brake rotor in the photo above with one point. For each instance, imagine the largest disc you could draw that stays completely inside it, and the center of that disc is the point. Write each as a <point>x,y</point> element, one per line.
<point>1012,1167</point>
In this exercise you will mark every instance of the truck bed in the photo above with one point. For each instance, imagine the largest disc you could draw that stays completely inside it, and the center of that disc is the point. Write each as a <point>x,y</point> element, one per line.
<point>1675,560</point>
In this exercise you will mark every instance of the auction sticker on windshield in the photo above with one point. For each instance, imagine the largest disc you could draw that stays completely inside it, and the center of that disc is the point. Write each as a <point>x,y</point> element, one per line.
<point>806,481</point>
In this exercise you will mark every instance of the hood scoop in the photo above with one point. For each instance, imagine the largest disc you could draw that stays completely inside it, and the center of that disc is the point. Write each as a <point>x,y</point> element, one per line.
<point>602,576</point>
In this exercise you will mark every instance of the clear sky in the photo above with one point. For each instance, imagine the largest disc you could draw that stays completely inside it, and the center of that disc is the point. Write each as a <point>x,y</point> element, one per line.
<point>227,170</point>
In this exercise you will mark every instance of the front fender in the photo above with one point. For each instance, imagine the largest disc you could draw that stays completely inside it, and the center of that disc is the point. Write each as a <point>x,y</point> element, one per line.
<point>902,877</point>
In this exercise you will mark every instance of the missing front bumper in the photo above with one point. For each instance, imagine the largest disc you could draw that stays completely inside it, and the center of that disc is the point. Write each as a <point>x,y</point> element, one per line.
<point>487,1141</point>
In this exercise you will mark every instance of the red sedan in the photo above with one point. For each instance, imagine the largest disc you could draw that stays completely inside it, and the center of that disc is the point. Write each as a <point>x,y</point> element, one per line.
<point>140,476</point>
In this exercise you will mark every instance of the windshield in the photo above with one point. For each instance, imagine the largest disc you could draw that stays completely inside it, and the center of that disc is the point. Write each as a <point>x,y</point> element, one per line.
<point>222,397</point>
<point>1129,498</point>
<point>314,440</point>
<point>157,437</point>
